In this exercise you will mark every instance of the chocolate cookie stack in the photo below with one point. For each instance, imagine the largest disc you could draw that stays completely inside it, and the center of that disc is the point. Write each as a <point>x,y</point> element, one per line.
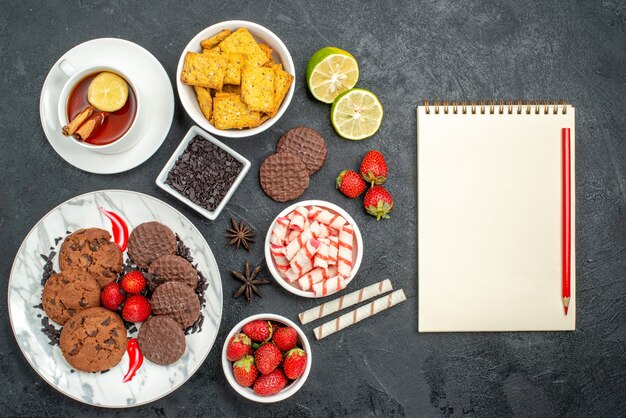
<point>285,175</point>
<point>175,305</point>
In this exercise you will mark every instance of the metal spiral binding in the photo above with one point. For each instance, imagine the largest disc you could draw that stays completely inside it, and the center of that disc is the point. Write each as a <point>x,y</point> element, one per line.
<point>500,107</point>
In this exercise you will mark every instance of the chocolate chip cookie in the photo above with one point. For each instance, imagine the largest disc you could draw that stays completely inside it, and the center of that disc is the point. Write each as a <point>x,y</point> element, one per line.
<point>149,241</point>
<point>91,250</point>
<point>178,301</point>
<point>161,340</point>
<point>93,340</point>
<point>69,292</point>
<point>174,268</point>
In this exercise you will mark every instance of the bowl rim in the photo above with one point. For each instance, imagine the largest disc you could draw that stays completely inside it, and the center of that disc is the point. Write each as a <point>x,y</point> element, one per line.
<point>328,205</point>
<point>279,48</point>
<point>194,131</point>
<point>289,390</point>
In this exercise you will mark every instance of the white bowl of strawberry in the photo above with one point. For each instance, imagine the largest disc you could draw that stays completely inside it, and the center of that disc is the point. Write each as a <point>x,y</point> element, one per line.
<point>266,358</point>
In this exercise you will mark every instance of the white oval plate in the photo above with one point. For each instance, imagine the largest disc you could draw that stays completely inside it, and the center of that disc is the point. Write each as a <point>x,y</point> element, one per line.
<point>153,87</point>
<point>107,390</point>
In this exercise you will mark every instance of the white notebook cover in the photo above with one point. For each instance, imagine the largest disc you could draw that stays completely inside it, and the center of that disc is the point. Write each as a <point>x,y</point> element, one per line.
<point>490,220</point>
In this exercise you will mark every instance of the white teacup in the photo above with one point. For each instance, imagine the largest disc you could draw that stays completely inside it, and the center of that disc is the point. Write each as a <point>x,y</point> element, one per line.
<point>126,141</point>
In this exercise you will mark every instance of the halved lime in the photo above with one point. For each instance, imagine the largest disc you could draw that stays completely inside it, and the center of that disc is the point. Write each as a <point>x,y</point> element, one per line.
<point>356,114</point>
<point>330,72</point>
<point>107,92</point>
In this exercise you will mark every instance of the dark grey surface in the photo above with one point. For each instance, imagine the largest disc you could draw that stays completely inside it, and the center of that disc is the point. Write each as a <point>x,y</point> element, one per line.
<point>407,51</point>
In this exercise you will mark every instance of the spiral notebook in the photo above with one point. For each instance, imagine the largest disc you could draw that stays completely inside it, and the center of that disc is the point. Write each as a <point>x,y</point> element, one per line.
<point>490,216</point>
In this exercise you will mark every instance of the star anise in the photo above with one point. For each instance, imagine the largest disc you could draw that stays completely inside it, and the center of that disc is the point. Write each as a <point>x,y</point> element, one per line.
<point>250,282</point>
<point>240,234</point>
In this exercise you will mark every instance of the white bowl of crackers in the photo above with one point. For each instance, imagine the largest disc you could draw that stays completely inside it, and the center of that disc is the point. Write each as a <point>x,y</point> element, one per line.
<point>313,248</point>
<point>235,79</point>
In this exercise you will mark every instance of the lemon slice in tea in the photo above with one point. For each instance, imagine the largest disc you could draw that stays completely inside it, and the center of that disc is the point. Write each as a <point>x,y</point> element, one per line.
<point>108,92</point>
<point>330,72</point>
<point>356,114</point>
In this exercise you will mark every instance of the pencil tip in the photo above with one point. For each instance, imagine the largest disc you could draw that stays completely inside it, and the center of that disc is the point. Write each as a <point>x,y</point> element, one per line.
<point>565,309</point>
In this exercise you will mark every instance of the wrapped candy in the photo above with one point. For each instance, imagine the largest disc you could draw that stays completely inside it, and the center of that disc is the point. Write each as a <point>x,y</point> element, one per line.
<point>302,262</point>
<point>325,231</point>
<point>280,261</point>
<point>291,275</point>
<point>332,285</point>
<point>294,246</point>
<point>326,217</point>
<point>322,255</point>
<point>307,281</point>
<point>279,232</point>
<point>344,257</point>
<point>292,234</point>
<point>334,250</point>
<point>299,218</point>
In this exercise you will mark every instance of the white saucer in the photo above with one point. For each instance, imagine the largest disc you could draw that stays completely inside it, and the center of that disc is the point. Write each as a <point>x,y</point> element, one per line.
<point>153,86</point>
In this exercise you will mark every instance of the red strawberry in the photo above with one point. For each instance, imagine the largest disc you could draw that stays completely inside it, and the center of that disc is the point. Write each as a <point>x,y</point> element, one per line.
<point>285,338</point>
<point>267,358</point>
<point>133,282</point>
<point>136,309</point>
<point>350,183</point>
<point>378,202</point>
<point>245,371</point>
<point>258,330</point>
<point>270,384</point>
<point>238,346</point>
<point>295,363</point>
<point>374,168</point>
<point>112,296</point>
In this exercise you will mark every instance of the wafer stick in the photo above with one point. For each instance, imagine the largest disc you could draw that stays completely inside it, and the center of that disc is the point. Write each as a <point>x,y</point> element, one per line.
<point>345,301</point>
<point>359,314</point>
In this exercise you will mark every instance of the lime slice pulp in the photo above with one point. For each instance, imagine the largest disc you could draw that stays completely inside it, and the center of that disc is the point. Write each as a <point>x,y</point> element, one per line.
<point>330,72</point>
<point>356,114</point>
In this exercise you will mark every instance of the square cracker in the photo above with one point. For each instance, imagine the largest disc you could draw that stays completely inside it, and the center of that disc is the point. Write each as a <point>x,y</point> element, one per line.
<point>230,112</point>
<point>200,70</point>
<point>231,63</point>
<point>215,39</point>
<point>231,88</point>
<point>268,52</point>
<point>274,65</point>
<point>282,82</point>
<point>204,100</point>
<point>257,88</point>
<point>241,41</point>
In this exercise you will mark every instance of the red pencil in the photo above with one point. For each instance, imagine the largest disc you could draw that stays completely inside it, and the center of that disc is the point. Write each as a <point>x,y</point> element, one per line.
<point>567,227</point>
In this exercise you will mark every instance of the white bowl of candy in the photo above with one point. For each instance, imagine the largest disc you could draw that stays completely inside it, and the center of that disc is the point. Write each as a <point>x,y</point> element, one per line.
<point>313,248</point>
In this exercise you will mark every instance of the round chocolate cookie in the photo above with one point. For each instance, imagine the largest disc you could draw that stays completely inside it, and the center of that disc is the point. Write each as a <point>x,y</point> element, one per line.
<point>174,268</point>
<point>306,143</point>
<point>178,301</point>
<point>91,250</point>
<point>69,292</point>
<point>93,340</point>
<point>283,176</point>
<point>161,340</point>
<point>149,241</point>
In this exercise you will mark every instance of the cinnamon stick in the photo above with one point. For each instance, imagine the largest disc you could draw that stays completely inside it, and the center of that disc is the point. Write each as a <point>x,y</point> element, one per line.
<point>73,126</point>
<point>90,126</point>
